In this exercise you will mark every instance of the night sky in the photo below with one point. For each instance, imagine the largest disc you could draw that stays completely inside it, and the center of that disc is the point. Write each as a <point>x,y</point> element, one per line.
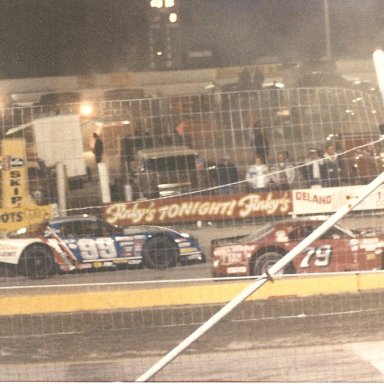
<point>65,37</point>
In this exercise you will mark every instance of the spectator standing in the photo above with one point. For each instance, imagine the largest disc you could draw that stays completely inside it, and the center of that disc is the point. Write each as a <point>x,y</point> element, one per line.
<point>257,176</point>
<point>227,175</point>
<point>367,164</point>
<point>203,179</point>
<point>179,133</point>
<point>282,173</point>
<point>98,148</point>
<point>117,190</point>
<point>312,169</point>
<point>332,167</point>
<point>259,142</point>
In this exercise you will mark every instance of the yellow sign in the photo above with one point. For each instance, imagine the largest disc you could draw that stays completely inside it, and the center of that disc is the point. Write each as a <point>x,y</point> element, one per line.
<point>13,219</point>
<point>14,174</point>
<point>18,208</point>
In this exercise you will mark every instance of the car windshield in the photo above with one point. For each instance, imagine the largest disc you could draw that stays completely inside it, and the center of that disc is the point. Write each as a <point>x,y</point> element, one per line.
<point>257,234</point>
<point>27,232</point>
<point>347,231</point>
<point>171,163</point>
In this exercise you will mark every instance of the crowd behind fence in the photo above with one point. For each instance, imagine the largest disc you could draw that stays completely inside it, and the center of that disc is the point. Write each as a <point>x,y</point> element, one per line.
<point>223,125</point>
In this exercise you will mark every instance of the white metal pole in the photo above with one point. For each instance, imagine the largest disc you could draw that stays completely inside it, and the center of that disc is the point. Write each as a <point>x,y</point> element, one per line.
<point>353,202</point>
<point>327,28</point>
<point>104,182</point>
<point>61,183</point>
<point>378,61</point>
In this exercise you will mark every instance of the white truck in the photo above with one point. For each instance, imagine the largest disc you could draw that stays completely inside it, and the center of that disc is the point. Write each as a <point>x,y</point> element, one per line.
<point>55,139</point>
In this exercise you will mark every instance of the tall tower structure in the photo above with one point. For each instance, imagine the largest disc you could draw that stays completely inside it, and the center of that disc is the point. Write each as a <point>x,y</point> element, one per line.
<point>164,35</point>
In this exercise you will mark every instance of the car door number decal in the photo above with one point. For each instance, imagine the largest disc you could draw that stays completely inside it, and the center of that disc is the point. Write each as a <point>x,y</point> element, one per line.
<point>321,255</point>
<point>102,247</point>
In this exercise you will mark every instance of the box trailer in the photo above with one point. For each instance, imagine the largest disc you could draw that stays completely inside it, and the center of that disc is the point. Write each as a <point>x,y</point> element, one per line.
<point>55,139</point>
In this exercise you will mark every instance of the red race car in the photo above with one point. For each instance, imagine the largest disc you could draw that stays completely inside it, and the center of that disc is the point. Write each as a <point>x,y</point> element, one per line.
<point>339,249</point>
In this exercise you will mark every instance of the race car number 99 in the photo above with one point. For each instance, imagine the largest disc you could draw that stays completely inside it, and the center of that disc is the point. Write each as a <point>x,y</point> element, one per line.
<point>103,247</point>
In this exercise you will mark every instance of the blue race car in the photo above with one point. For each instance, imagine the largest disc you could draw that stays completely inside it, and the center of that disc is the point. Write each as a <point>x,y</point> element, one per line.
<point>85,242</point>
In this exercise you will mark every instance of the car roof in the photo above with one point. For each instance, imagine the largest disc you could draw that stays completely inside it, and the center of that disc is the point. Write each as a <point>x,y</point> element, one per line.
<point>152,153</point>
<point>64,219</point>
<point>302,219</point>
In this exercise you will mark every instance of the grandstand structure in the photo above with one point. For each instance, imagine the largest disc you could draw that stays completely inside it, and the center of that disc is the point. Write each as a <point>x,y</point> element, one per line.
<point>91,87</point>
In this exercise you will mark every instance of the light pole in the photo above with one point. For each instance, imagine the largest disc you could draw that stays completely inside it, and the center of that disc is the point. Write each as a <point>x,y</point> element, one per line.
<point>328,49</point>
<point>164,34</point>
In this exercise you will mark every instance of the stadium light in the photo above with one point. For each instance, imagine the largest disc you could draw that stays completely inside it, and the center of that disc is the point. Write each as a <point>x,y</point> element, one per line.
<point>156,3</point>
<point>173,17</point>
<point>86,109</point>
<point>162,3</point>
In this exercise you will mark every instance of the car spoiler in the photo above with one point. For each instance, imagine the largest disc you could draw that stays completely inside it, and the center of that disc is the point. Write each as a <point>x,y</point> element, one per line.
<point>226,241</point>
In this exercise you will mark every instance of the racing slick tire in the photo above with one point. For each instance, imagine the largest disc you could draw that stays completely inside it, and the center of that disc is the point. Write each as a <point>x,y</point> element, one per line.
<point>37,262</point>
<point>160,253</point>
<point>266,260</point>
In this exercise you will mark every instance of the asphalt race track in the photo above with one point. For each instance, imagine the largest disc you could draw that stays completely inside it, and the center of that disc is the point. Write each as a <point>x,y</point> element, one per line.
<point>329,338</point>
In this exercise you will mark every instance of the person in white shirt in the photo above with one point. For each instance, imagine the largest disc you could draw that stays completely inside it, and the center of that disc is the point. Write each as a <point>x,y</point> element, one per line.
<point>257,176</point>
<point>282,173</point>
<point>312,169</point>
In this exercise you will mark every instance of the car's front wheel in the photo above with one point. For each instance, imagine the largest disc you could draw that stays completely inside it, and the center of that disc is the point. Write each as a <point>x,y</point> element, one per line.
<point>266,260</point>
<point>160,252</point>
<point>37,262</point>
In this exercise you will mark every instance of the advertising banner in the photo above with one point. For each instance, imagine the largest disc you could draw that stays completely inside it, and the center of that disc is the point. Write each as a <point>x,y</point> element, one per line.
<point>182,210</point>
<point>328,200</point>
<point>210,208</point>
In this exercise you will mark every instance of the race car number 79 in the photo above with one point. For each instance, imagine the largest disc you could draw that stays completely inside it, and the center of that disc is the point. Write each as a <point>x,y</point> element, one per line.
<point>322,256</point>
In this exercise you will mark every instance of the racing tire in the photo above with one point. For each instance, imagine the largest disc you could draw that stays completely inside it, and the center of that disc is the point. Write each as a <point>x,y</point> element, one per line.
<point>37,262</point>
<point>160,253</point>
<point>266,260</point>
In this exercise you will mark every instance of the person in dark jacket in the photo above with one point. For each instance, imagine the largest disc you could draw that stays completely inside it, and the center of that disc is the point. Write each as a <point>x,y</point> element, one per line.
<point>98,148</point>
<point>333,167</point>
<point>226,174</point>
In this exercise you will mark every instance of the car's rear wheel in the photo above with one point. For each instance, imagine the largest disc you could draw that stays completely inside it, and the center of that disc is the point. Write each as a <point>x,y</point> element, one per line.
<point>37,262</point>
<point>160,252</point>
<point>266,260</point>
